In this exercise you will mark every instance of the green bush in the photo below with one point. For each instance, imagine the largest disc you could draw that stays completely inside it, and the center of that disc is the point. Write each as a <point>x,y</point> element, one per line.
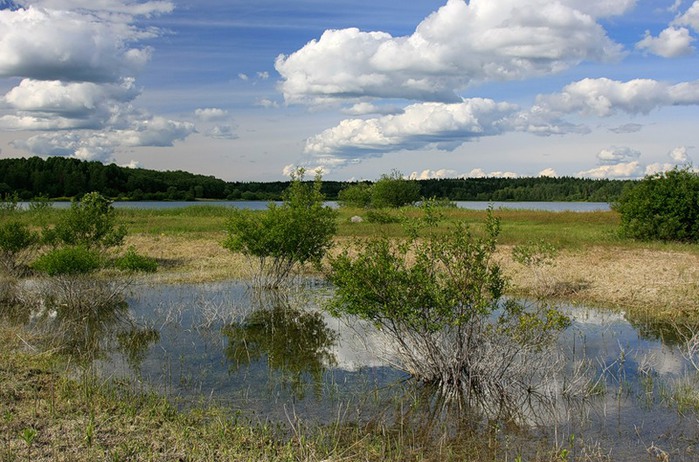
<point>90,222</point>
<point>133,262</point>
<point>394,191</point>
<point>16,244</point>
<point>69,261</point>
<point>382,216</point>
<point>356,195</point>
<point>662,207</point>
<point>282,237</point>
<point>9,204</point>
<point>435,296</point>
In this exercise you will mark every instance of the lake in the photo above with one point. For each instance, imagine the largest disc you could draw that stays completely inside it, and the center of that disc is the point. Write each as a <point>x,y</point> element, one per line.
<point>262,205</point>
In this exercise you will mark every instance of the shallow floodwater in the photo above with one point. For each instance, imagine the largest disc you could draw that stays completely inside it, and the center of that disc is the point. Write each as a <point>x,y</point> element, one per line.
<point>277,358</point>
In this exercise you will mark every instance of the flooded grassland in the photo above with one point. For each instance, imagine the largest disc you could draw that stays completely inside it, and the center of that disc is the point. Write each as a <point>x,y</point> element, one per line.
<point>191,364</point>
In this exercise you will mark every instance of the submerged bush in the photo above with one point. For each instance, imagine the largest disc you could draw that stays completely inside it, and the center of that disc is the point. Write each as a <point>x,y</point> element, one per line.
<point>662,207</point>
<point>436,297</point>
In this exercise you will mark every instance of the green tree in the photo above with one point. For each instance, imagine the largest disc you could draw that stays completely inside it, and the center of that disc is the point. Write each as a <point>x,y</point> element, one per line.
<point>284,236</point>
<point>664,207</point>
<point>394,191</point>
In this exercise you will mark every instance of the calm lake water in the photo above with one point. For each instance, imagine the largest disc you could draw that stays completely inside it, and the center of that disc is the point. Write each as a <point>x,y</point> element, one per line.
<point>472,205</point>
<point>271,357</point>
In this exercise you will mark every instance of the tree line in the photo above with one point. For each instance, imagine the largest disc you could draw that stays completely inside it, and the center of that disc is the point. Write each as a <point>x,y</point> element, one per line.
<point>60,177</point>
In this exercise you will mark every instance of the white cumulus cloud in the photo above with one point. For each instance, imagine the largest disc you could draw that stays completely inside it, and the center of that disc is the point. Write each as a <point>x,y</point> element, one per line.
<point>671,43</point>
<point>617,155</point>
<point>680,155</point>
<point>76,61</point>
<point>690,17</point>
<point>52,104</point>
<point>549,172</point>
<point>604,97</point>
<point>422,125</point>
<point>69,45</point>
<point>434,174</point>
<point>101,145</point>
<point>211,114</point>
<point>619,171</point>
<point>460,44</point>
<point>365,108</point>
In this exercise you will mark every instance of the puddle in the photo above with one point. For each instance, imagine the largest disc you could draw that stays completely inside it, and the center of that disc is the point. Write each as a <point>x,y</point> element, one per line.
<point>278,358</point>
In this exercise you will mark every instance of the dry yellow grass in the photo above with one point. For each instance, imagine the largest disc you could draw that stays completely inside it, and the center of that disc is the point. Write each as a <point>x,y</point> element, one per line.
<point>647,281</point>
<point>651,282</point>
<point>191,258</point>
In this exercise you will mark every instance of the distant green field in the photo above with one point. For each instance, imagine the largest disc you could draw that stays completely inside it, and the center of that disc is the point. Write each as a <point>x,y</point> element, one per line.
<point>565,230</point>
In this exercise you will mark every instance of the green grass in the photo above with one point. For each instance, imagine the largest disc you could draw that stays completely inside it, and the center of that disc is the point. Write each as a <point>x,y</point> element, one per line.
<point>564,230</point>
<point>192,219</point>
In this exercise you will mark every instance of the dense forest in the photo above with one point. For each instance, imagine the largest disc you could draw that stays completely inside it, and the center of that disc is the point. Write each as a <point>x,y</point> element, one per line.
<point>59,177</point>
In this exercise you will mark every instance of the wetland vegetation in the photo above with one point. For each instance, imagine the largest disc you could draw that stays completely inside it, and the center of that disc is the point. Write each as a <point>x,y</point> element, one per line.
<point>188,363</point>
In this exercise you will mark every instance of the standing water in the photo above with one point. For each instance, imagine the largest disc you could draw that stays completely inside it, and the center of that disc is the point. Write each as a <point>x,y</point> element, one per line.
<point>626,388</point>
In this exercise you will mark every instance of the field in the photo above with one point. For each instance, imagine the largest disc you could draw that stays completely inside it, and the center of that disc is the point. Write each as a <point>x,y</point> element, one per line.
<point>52,409</point>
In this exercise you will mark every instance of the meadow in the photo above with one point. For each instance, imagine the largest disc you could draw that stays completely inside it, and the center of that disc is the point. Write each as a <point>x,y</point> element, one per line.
<point>592,265</point>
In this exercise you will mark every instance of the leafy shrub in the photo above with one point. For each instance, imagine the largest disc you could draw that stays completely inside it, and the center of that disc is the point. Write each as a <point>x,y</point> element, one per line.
<point>356,195</point>
<point>394,191</point>
<point>73,260</point>
<point>133,262</point>
<point>436,297</point>
<point>90,222</point>
<point>9,204</point>
<point>382,216</point>
<point>282,237</point>
<point>662,207</point>
<point>40,205</point>
<point>16,244</point>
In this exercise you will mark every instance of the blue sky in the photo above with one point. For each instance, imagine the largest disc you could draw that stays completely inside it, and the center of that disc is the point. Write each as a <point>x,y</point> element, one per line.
<point>248,90</point>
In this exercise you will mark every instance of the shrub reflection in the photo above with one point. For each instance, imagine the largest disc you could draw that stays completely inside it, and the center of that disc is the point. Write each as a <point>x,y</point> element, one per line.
<point>296,343</point>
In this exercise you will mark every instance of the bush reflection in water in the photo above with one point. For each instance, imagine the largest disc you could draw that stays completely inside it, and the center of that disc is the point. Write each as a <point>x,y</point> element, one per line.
<point>296,343</point>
